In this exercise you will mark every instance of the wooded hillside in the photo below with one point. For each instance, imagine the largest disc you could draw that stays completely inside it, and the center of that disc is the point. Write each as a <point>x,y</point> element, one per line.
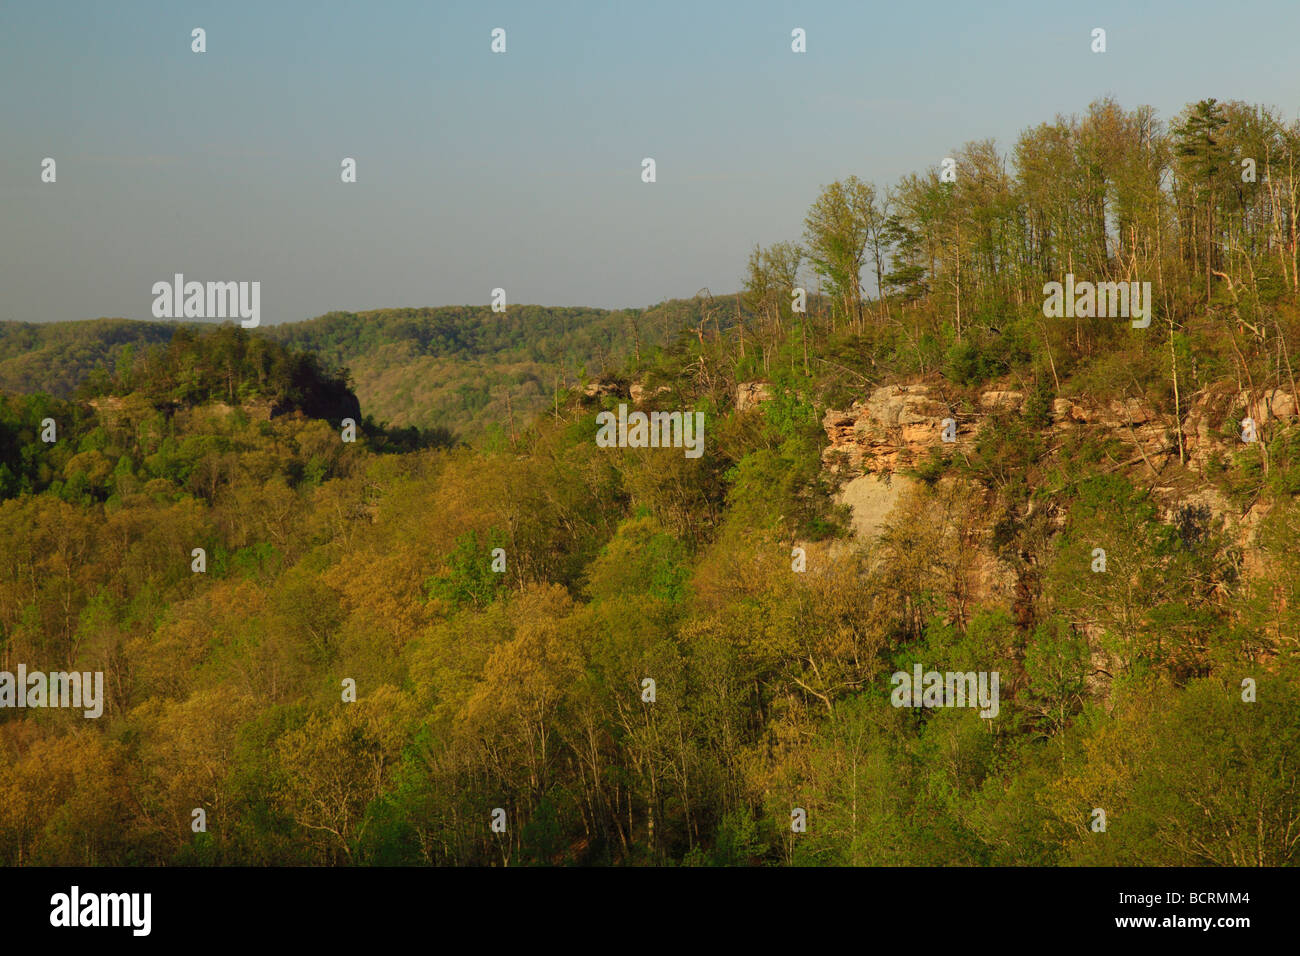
<point>499,607</point>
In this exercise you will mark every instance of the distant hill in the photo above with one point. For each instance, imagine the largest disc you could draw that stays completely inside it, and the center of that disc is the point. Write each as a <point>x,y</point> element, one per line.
<point>456,367</point>
<point>56,357</point>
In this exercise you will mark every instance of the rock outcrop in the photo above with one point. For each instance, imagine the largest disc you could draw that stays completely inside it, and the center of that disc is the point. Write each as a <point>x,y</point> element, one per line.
<point>898,427</point>
<point>893,429</point>
<point>751,394</point>
<point>872,441</point>
<point>639,393</point>
<point>594,389</point>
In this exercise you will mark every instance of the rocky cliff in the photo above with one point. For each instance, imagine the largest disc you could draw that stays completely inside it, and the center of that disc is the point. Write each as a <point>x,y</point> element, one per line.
<point>895,429</point>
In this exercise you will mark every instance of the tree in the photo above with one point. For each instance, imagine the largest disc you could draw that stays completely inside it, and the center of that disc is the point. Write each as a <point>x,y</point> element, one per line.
<point>1203,160</point>
<point>837,231</point>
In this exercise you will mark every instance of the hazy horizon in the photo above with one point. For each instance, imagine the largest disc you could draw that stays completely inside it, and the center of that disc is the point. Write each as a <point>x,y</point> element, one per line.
<point>381,308</point>
<point>522,170</point>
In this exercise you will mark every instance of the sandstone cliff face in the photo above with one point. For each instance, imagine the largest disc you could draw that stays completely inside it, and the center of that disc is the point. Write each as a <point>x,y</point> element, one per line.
<point>896,427</point>
<point>893,429</point>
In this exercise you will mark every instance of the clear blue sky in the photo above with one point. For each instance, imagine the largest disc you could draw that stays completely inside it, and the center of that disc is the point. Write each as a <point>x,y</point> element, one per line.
<point>522,170</point>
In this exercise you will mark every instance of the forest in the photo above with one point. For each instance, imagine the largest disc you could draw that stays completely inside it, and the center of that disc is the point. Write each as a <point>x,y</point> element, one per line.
<point>430,645</point>
<point>458,368</point>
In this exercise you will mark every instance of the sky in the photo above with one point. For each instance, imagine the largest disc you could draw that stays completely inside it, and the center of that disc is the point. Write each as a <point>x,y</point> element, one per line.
<point>523,170</point>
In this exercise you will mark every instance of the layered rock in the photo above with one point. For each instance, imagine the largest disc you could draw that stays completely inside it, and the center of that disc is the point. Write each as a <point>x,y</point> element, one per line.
<point>1001,400</point>
<point>1132,420</point>
<point>1210,427</point>
<point>1115,413</point>
<point>897,426</point>
<point>893,429</point>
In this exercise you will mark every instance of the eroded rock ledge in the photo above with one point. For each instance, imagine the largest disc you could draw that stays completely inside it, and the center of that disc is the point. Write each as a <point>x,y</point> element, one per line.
<point>898,427</point>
